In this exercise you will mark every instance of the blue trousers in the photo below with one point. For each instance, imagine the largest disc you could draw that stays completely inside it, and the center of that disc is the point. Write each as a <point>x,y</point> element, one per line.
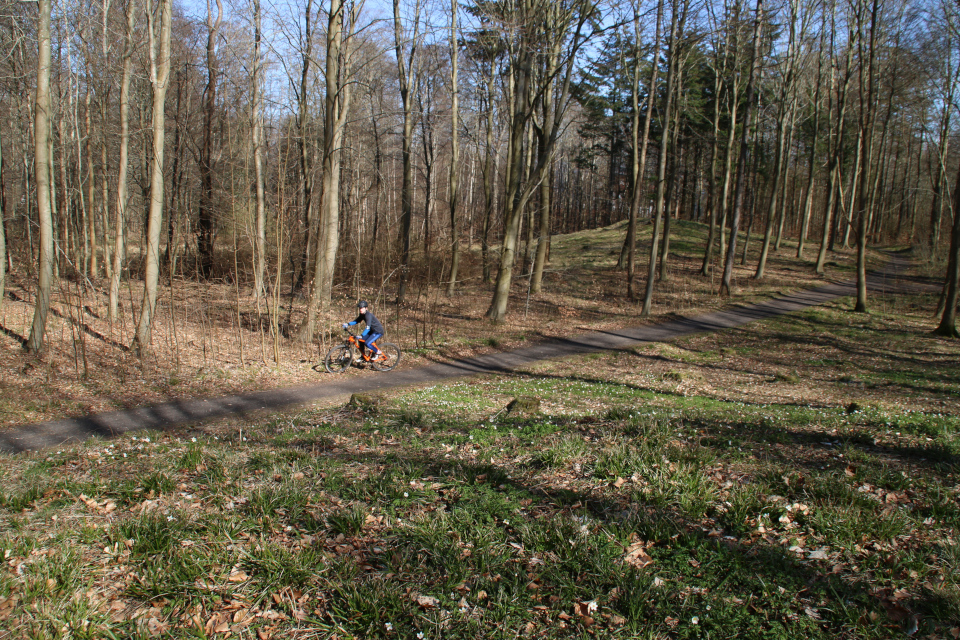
<point>370,339</point>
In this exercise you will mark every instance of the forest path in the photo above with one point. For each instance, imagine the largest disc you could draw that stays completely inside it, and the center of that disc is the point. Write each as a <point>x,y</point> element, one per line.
<point>53,433</point>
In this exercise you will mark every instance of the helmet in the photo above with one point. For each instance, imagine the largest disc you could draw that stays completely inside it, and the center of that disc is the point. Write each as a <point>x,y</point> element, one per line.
<point>362,304</point>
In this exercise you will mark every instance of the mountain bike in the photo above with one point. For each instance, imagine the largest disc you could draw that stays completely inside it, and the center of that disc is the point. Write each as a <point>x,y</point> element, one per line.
<point>354,350</point>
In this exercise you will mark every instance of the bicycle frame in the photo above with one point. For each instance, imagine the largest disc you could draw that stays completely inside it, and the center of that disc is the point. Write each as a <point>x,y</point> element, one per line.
<point>360,344</point>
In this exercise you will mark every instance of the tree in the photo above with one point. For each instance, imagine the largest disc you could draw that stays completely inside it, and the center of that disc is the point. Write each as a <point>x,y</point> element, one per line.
<point>3,227</point>
<point>454,153</point>
<point>538,28</point>
<point>865,148</point>
<point>677,20</point>
<point>42,181</point>
<point>406,46</point>
<point>738,194</point>
<point>786,105</point>
<point>260,238</point>
<point>120,218</point>
<point>159,77</point>
<point>206,223</point>
<point>340,29</point>
<point>948,321</point>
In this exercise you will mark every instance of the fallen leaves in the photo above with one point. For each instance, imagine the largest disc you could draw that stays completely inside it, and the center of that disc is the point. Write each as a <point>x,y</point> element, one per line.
<point>103,507</point>
<point>237,575</point>
<point>425,602</point>
<point>636,555</point>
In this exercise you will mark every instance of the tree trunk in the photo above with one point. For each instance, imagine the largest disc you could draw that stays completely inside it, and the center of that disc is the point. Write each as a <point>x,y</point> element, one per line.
<point>454,153</point>
<point>707,266</point>
<point>487,169</point>
<point>304,123</point>
<point>726,283</point>
<point>546,28</point>
<point>159,76</point>
<point>676,26</point>
<point>3,226</point>
<point>337,104</point>
<point>640,139</point>
<point>833,168</point>
<point>120,219</point>
<point>407,68</point>
<point>948,321</point>
<point>260,238</point>
<point>811,170</point>
<point>42,181</point>
<point>206,224</point>
<point>867,126</point>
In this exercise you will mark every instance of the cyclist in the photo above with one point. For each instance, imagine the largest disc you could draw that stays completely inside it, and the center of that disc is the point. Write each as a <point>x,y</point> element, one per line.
<point>373,331</point>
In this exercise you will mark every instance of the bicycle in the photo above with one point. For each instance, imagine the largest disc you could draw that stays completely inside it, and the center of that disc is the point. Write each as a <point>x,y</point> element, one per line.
<point>353,350</point>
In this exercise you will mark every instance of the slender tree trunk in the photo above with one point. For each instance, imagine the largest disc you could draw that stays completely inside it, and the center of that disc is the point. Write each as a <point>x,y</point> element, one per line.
<point>454,153</point>
<point>488,169</point>
<point>337,104</point>
<point>640,139</point>
<point>867,126</point>
<point>42,181</point>
<point>674,198</point>
<point>407,68</point>
<point>91,265</point>
<point>733,94</point>
<point>260,238</point>
<point>159,76</point>
<point>3,225</point>
<point>712,199</point>
<point>206,224</point>
<point>676,26</point>
<point>559,22</point>
<point>120,219</point>
<point>726,283</point>
<point>948,321</point>
<point>779,175</point>
<point>513,211</point>
<point>812,168</point>
<point>304,132</point>
<point>833,168</point>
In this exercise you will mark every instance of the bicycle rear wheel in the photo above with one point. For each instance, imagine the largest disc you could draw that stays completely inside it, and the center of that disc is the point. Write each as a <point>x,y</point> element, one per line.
<point>338,359</point>
<point>389,357</point>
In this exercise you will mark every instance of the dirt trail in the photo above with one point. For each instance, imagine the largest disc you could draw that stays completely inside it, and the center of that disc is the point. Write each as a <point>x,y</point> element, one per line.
<point>170,414</point>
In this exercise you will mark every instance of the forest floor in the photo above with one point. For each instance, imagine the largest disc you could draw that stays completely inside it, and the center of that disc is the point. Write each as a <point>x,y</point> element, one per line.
<point>797,476</point>
<point>213,339</point>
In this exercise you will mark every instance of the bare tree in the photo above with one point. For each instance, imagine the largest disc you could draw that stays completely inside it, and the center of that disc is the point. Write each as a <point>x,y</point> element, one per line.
<point>786,104</point>
<point>948,321</point>
<point>406,45</point>
<point>640,138</point>
<point>206,222</point>
<point>677,19</point>
<point>454,153</point>
<point>42,181</point>
<point>738,194</point>
<point>340,28</point>
<point>3,226</point>
<point>120,218</point>
<point>159,77</point>
<point>260,225</point>
<point>865,150</point>
<point>539,27</point>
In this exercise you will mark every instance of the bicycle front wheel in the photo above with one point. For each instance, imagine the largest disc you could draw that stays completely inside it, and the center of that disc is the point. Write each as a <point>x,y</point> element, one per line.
<point>389,357</point>
<point>338,359</point>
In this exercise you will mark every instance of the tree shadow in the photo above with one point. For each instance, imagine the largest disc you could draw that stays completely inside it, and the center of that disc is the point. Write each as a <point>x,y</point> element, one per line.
<point>677,539</point>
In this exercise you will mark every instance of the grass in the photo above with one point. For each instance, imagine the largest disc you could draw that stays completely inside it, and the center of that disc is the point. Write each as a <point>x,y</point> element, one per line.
<point>796,477</point>
<point>437,514</point>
